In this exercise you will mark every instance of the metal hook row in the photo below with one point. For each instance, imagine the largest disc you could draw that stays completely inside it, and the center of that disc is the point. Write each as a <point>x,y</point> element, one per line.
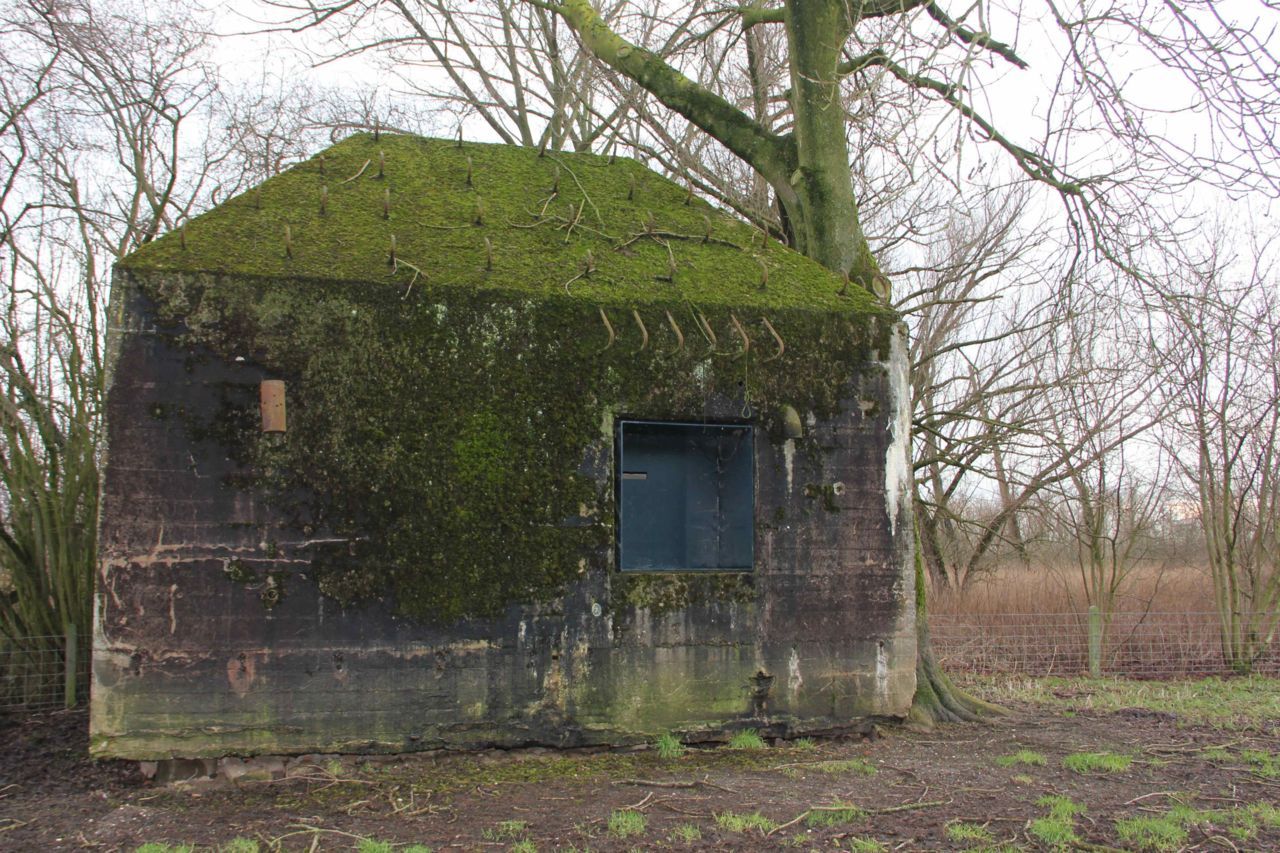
<point>704,326</point>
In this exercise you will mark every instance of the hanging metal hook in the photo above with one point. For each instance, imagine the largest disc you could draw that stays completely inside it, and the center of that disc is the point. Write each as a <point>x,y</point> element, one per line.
<point>679,334</point>
<point>644,333</point>
<point>613,336</point>
<point>782,346</point>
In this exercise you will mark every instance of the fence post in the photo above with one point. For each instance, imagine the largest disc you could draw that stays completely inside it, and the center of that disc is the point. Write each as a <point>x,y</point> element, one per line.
<point>1095,641</point>
<point>70,674</point>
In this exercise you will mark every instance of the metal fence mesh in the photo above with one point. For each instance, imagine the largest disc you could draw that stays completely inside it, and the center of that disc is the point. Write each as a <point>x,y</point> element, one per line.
<point>1135,645</point>
<point>33,673</point>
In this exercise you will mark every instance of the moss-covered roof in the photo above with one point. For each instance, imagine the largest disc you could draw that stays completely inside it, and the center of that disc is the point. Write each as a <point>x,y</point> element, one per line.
<point>495,216</point>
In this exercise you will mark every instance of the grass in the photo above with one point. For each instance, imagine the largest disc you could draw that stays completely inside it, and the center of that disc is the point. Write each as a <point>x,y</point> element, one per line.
<point>866,844</point>
<point>505,830</point>
<point>669,747</point>
<point>1150,832</point>
<point>686,833</point>
<point>1057,831</point>
<point>240,845</point>
<point>1022,756</point>
<point>735,822</point>
<point>370,845</point>
<point>1097,762</point>
<point>161,847</point>
<point>836,814</point>
<point>747,739</point>
<point>962,832</point>
<point>859,766</point>
<point>523,846</point>
<point>1224,703</point>
<point>627,824</point>
<point>804,744</point>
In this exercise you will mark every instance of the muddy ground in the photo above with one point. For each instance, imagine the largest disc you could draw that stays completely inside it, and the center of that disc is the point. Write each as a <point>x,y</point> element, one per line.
<point>943,790</point>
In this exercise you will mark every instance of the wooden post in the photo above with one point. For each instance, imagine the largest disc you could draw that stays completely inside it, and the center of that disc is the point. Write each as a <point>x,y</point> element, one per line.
<point>70,672</point>
<point>1095,641</point>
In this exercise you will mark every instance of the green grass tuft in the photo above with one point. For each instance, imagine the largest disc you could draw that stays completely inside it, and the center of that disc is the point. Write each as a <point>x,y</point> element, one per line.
<point>734,822</point>
<point>1160,834</point>
<point>523,846</point>
<point>1057,831</point>
<point>866,844</point>
<point>627,824</point>
<point>1022,756</point>
<point>1097,762</point>
<point>836,814</point>
<point>747,739</point>
<point>240,845</point>
<point>969,833</point>
<point>505,830</point>
<point>859,766</point>
<point>669,746</point>
<point>686,833</point>
<point>371,845</point>
<point>161,847</point>
<point>804,744</point>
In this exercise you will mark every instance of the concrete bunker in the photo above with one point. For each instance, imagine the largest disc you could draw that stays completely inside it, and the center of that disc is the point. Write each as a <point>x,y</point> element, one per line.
<point>425,444</point>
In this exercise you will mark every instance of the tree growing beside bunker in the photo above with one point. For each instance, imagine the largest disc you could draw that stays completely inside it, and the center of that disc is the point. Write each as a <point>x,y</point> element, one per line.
<point>794,120</point>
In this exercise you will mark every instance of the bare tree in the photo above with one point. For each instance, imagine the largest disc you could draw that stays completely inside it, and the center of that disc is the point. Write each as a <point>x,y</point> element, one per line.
<point>1220,360</point>
<point>114,128</point>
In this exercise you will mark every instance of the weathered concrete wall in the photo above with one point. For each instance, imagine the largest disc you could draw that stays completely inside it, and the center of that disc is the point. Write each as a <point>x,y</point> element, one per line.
<point>190,661</point>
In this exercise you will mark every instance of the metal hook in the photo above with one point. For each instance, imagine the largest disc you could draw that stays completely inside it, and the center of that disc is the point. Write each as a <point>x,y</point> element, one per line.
<point>679,334</point>
<point>746,341</point>
<point>782,347</point>
<point>644,333</point>
<point>613,336</point>
<point>707,331</point>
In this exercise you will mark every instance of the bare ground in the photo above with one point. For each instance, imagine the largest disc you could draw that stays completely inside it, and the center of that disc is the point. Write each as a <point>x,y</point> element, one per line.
<point>910,790</point>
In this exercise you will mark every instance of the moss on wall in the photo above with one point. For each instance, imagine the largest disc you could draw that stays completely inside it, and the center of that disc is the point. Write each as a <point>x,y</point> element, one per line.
<point>441,418</point>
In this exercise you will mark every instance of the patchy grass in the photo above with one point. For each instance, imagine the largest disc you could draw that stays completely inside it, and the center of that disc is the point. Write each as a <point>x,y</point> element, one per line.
<point>836,814</point>
<point>804,744</point>
<point>240,845</point>
<point>506,830</point>
<point>372,845</point>
<point>626,823</point>
<point>1057,831</point>
<point>669,747</point>
<point>1151,832</point>
<point>158,847</point>
<point>963,832</point>
<point>686,833</point>
<point>866,844</point>
<point>1097,762</point>
<point>747,739</point>
<point>1022,756</point>
<point>735,822</point>
<point>1225,703</point>
<point>523,846</point>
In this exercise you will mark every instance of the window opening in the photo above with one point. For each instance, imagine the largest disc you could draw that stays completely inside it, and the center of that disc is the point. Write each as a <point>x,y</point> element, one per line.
<point>686,496</point>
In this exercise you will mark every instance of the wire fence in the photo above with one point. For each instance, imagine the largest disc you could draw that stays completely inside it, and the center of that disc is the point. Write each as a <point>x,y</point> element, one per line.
<point>34,670</point>
<point>34,673</point>
<point>1132,645</point>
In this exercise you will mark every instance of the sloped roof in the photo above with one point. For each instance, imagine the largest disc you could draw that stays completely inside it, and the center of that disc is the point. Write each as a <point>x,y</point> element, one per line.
<point>496,216</point>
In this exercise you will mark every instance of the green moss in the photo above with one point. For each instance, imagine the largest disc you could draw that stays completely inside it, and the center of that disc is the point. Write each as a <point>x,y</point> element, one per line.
<point>662,593</point>
<point>622,214</point>
<point>444,446</point>
<point>237,571</point>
